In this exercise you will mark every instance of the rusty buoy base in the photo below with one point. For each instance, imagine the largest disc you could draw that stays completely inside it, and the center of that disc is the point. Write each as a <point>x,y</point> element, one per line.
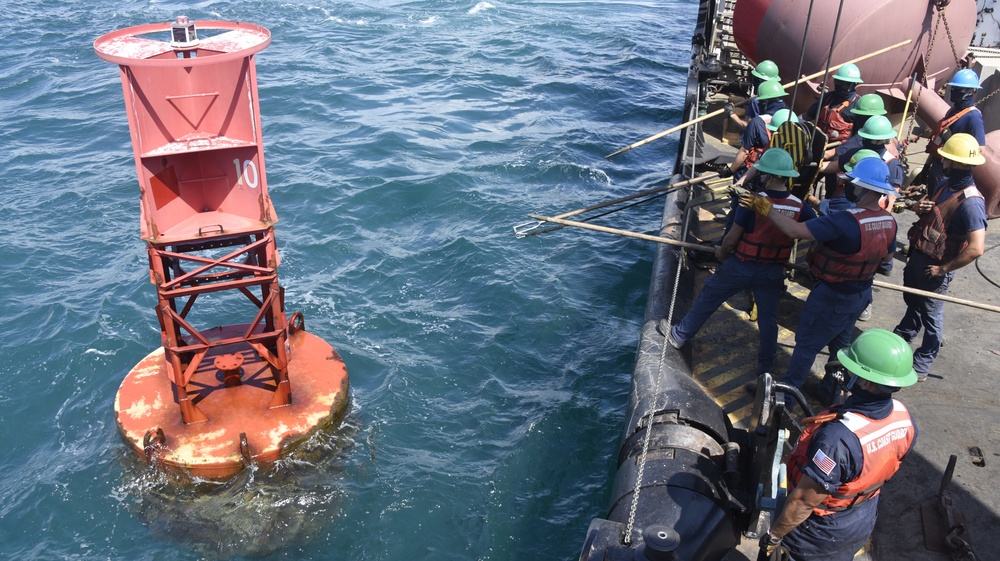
<point>233,388</point>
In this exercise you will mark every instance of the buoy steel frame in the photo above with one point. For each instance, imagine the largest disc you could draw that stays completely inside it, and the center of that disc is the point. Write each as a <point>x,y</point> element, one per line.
<point>208,223</point>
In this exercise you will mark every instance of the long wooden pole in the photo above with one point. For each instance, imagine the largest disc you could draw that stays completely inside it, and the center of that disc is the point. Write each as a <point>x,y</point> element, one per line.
<point>711,249</point>
<point>679,184</point>
<point>906,108</point>
<point>626,233</point>
<point>785,86</point>
<point>936,296</point>
<point>528,229</point>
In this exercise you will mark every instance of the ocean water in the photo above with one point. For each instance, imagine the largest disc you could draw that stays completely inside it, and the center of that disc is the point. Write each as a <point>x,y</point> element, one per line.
<point>403,141</point>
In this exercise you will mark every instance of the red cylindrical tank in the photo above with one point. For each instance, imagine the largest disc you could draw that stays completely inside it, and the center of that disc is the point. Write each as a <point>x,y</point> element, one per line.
<point>932,109</point>
<point>774,29</point>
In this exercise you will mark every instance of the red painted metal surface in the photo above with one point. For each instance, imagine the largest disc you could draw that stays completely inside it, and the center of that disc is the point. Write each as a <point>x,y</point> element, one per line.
<point>764,29</point>
<point>208,223</point>
<point>212,449</point>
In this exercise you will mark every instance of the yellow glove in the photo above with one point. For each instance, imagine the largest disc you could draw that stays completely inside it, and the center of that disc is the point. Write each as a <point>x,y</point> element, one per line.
<point>756,203</point>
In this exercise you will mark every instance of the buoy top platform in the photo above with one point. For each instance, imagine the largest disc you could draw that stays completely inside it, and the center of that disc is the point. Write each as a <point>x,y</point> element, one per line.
<point>217,394</point>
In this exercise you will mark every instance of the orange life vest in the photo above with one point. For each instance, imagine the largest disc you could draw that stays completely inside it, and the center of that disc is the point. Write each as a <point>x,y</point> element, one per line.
<point>768,244</point>
<point>929,235</point>
<point>942,131</point>
<point>877,228</point>
<point>884,442</point>
<point>832,122</point>
<point>755,152</point>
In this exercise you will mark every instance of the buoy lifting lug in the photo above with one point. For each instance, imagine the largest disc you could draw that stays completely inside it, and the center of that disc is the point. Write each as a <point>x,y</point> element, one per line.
<point>296,323</point>
<point>153,440</point>
<point>245,449</point>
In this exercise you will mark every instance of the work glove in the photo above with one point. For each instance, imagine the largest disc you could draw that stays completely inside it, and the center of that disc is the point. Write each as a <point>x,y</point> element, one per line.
<point>756,203</point>
<point>726,172</point>
<point>769,546</point>
<point>730,109</point>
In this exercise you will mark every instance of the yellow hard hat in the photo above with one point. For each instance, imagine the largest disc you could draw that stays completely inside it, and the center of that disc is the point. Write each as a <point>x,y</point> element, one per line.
<point>962,148</point>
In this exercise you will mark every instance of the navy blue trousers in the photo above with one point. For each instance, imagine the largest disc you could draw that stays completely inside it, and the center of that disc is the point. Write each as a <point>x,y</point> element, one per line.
<point>833,538</point>
<point>827,319</point>
<point>923,312</point>
<point>766,280</point>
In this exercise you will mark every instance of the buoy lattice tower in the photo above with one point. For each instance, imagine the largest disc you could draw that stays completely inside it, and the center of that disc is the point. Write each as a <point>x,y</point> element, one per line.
<point>217,394</point>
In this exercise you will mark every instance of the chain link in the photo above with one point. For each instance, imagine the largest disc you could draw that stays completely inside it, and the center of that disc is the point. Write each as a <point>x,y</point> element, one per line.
<point>923,80</point>
<point>993,93</point>
<point>954,53</point>
<point>665,327</point>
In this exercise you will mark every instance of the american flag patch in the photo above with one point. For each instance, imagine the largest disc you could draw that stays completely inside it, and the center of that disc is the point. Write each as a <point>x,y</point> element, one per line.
<point>824,462</point>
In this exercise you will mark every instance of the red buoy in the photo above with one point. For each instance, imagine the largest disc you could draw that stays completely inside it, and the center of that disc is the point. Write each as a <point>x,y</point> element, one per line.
<point>217,394</point>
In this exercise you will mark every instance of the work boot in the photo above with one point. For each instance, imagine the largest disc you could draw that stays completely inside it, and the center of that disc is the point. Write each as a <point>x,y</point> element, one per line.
<point>866,314</point>
<point>663,328</point>
<point>670,339</point>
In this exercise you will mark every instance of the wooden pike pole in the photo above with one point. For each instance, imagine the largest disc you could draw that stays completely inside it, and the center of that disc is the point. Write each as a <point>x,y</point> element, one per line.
<point>936,296</point>
<point>528,229</point>
<point>906,108</point>
<point>711,249</point>
<point>785,86</point>
<point>626,233</point>
<point>679,184</point>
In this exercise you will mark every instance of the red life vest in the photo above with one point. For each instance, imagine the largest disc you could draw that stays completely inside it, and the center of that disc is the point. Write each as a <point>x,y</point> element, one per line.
<point>768,244</point>
<point>755,152</point>
<point>877,228</point>
<point>942,132</point>
<point>929,235</point>
<point>832,122</point>
<point>884,442</point>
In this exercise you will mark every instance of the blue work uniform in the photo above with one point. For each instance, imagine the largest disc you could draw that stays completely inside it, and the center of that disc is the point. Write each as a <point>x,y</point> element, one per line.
<point>838,536</point>
<point>928,313</point>
<point>754,108</point>
<point>766,280</point>
<point>971,123</point>
<point>833,308</point>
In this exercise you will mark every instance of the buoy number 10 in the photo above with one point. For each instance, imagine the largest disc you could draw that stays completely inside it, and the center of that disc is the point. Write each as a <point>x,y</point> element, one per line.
<point>247,171</point>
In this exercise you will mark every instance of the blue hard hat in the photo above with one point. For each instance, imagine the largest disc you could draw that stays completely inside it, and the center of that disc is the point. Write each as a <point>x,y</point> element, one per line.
<point>965,78</point>
<point>872,174</point>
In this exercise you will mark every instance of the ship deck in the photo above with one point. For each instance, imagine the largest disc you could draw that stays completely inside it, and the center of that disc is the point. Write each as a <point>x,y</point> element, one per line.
<point>956,410</point>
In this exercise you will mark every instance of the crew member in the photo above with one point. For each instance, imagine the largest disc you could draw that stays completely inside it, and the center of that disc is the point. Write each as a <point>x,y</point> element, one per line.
<point>869,105</point>
<point>830,117</point>
<point>950,234</point>
<point>760,251</point>
<point>876,135</point>
<point>844,197</point>
<point>780,117</point>
<point>963,117</point>
<point>756,138</point>
<point>845,454</point>
<point>850,247</point>
<point>766,70</point>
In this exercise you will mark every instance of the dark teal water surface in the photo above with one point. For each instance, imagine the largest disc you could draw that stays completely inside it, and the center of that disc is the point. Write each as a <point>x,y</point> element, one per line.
<point>403,141</point>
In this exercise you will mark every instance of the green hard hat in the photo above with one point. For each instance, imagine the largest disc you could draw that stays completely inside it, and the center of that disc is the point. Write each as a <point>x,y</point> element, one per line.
<point>882,357</point>
<point>848,73</point>
<point>780,117</point>
<point>869,104</point>
<point>777,161</point>
<point>766,70</point>
<point>858,156</point>
<point>877,128</point>
<point>770,89</point>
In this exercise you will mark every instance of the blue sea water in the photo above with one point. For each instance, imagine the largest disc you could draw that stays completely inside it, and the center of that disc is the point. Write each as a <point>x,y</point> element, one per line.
<point>404,139</point>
